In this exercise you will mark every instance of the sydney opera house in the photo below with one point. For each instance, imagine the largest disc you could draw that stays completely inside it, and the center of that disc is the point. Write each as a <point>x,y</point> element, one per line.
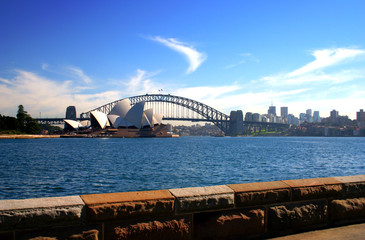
<point>122,121</point>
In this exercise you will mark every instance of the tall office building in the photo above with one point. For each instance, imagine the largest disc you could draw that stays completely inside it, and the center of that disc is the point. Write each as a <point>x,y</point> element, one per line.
<point>334,114</point>
<point>272,110</point>
<point>308,114</point>
<point>316,117</point>
<point>284,112</point>
<point>360,116</point>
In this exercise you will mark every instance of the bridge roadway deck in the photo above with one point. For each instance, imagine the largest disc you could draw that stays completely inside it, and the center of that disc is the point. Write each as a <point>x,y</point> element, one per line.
<point>60,121</point>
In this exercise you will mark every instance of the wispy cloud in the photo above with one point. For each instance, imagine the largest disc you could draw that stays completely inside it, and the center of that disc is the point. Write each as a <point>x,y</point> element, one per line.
<point>77,72</point>
<point>194,57</point>
<point>326,58</point>
<point>141,83</point>
<point>315,72</point>
<point>245,57</point>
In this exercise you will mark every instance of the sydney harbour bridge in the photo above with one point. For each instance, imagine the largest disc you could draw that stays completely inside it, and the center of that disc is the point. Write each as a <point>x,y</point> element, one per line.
<point>177,108</point>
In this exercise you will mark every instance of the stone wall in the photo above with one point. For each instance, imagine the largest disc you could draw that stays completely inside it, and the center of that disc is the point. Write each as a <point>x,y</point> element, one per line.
<point>244,211</point>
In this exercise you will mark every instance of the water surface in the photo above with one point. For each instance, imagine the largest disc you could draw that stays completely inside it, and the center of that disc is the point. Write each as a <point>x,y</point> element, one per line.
<point>59,167</point>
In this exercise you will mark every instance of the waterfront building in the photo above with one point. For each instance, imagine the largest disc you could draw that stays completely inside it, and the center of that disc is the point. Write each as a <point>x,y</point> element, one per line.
<point>272,110</point>
<point>302,117</point>
<point>284,112</point>
<point>293,120</point>
<point>256,117</point>
<point>334,114</point>
<point>248,117</point>
<point>360,116</point>
<point>308,114</point>
<point>122,115</point>
<point>316,117</point>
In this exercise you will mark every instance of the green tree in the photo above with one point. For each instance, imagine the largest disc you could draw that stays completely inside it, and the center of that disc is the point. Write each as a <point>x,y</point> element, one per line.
<point>31,125</point>
<point>21,116</point>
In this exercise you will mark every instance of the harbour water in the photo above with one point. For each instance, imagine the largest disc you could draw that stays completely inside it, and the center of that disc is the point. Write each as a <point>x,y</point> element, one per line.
<point>33,168</point>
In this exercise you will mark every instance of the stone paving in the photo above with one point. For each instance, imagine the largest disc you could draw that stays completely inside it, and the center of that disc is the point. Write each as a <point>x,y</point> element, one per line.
<point>353,232</point>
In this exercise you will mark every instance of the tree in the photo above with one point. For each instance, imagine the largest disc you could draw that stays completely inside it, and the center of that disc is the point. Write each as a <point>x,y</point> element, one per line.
<point>31,125</point>
<point>21,116</point>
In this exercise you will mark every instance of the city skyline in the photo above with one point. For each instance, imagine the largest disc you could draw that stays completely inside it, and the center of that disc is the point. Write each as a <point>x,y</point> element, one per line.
<point>233,55</point>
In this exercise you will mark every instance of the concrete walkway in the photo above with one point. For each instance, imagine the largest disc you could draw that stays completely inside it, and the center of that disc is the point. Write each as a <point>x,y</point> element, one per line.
<point>352,232</point>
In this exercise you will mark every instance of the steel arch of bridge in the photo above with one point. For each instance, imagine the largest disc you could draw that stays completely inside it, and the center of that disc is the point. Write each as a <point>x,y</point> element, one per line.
<point>207,113</point>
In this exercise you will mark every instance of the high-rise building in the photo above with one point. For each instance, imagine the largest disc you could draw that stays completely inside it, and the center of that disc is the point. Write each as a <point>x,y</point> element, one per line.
<point>308,115</point>
<point>360,116</point>
<point>248,117</point>
<point>272,110</point>
<point>316,117</point>
<point>284,112</point>
<point>334,114</point>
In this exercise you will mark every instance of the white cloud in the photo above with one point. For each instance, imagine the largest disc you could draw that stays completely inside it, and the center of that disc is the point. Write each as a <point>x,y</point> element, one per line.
<point>51,97</point>
<point>77,72</point>
<point>314,72</point>
<point>327,57</point>
<point>40,94</point>
<point>194,57</point>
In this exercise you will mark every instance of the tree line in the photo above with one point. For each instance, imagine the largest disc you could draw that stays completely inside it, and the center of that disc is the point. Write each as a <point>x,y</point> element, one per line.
<point>23,123</point>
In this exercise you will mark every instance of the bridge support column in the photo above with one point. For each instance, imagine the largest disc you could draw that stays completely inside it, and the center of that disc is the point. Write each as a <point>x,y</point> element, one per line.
<point>235,123</point>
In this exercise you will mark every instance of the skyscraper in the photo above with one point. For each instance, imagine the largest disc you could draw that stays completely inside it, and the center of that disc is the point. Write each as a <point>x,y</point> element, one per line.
<point>334,114</point>
<point>284,112</point>
<point>308,114</point>
<point>316,117</point>
<point>272,110</point>
<point>360,116</point>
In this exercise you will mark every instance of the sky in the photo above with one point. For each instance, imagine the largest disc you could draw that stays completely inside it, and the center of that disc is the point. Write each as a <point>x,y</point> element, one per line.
<point>231,55</point>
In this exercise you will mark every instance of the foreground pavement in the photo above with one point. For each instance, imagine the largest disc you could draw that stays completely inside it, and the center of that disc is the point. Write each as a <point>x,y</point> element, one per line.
<point>353,232</point>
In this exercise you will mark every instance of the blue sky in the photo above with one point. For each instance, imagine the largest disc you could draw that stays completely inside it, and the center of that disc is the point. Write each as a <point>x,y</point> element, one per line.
<point>230,55</point>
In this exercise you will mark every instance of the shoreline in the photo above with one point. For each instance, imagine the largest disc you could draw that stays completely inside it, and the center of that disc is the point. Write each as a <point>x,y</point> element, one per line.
<point>26,136</point>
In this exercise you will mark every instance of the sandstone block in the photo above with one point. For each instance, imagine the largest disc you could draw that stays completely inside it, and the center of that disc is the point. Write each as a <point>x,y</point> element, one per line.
<point>69,232</point>
<point>230,224</point>
<point>297,216</point>
<point>126,204</point>
<point>347,209</point>
<point>314,188</point>
<point>353,186</point>
<point>249,194</point>
<point>168,228</point>
<point>40,211</point>
<point>198,199</point>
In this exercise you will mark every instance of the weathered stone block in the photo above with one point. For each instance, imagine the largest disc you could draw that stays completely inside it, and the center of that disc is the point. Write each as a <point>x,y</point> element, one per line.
<point>40,211</point>
<point>159,228</point>
<point>126,204</point>
<point>74,233</point>
<point>297,216</point>
<point>230,224</point>
<point>198,199</point>
<point>314,188</point>
<point>249,194</point>
<point>347,209</point>
<point>353,186</point>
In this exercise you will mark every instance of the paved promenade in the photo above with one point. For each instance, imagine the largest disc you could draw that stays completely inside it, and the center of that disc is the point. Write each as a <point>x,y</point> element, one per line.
<point>352,232</point>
